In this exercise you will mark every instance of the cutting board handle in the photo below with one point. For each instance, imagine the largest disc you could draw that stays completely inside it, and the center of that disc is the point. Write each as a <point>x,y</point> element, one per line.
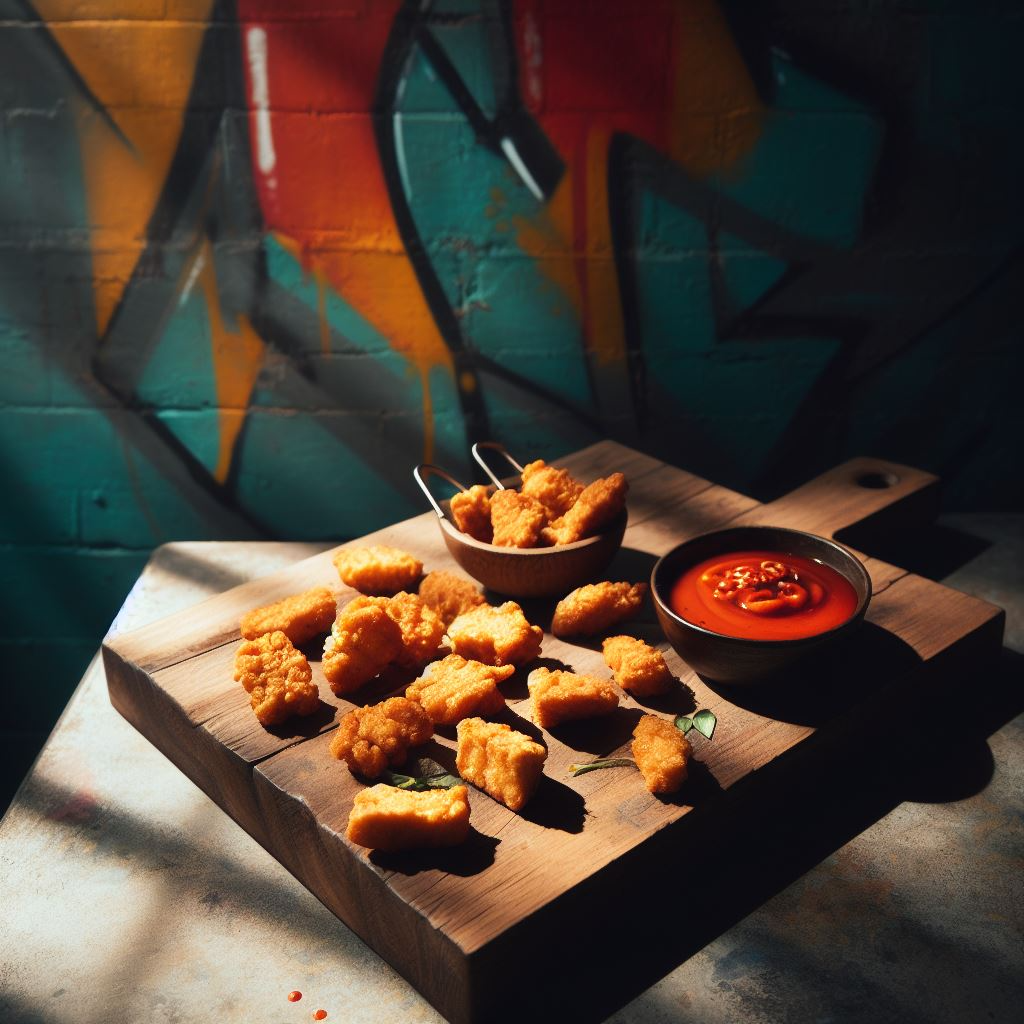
<point>890,495</point>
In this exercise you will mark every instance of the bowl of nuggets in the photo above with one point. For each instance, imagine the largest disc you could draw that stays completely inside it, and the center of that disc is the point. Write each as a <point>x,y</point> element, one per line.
<point>536,535</point>
<point>433,654</point>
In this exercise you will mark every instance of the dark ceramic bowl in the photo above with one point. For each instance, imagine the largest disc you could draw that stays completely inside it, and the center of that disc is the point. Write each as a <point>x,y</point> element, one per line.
<point>735,660</point>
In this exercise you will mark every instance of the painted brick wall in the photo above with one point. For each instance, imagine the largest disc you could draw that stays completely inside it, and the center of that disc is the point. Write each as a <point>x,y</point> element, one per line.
<point>257,259</point>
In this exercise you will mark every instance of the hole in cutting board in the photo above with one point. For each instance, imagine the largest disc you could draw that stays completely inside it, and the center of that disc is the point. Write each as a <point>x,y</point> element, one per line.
<point>877,481</point>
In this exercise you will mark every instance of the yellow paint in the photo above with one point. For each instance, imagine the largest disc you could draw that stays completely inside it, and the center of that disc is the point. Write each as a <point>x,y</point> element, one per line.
<point>141,73</point>
<point>383,288</point>
<point>238,353</point>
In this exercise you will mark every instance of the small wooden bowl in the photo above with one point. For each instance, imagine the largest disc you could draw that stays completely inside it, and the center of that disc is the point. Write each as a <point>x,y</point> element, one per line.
<point>526,572</point>
<point>736,660</point>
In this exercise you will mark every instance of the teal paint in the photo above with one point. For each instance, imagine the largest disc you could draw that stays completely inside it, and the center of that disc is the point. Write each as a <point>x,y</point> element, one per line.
<point>308,485</point>
<point>64,594</point>
<point>748,274</point>
<point>911,274</point>
<point>179,373</point>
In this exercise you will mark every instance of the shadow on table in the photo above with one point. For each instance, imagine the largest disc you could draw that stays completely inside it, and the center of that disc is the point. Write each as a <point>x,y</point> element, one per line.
<point>691,902</point>
<point>827,683</point>
<point>928,550</point>
<point>17,1011</point>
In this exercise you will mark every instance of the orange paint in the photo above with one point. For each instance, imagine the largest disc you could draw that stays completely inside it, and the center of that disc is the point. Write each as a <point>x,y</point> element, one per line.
<point>763,595</point>
<point>294,997</point>
<point>319,1015</point>
<point>141,72</point>
<point>545,237</point>
<point>604,328</point>
<point>717,113</point>
<point>237,352</point>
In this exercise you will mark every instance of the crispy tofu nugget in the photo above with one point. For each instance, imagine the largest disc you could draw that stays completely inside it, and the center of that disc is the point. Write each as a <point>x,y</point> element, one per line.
<point>554,488</point>
<point>300,617</point>
<point>598,504</point>
<point>517,519</point>
<point>562,696</point>
<point>662,753</point>
<point>386,818</point>
<point>471,511</point>
<point>449,595</point>
<point>277,678</point>
<point>496,636</point>
<point>454,688</point>
<point>422,628</point>
<point>375,737</point>
<point>364,640</point>
<point>378,569</point>
<point>638,667</point>
<point>504,764</point>
<point>593,608</point>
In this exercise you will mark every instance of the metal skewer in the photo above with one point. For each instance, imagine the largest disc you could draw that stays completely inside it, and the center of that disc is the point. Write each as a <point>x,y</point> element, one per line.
<point>500,449</point>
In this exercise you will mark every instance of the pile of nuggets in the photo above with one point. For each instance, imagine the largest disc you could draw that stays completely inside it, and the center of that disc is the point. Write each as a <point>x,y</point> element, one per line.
<point>441,627</point>
<point>550,508</point>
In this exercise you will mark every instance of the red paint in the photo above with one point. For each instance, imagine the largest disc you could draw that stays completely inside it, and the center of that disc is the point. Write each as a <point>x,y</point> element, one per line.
<point>319,1015</point>
<point>326,176</point>
<point>294,997</point>
<point>763,595</point>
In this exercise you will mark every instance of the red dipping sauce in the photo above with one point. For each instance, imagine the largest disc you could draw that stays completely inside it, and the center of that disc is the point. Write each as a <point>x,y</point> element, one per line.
<point>763,595</point>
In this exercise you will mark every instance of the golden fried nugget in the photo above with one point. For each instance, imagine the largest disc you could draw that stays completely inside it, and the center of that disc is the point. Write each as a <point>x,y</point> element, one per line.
<point>471,511</point>
<point>378,569</point>
<point>638,667</point>
<point>277,678</point>
<point>554,488</point>
<point>598,504</point>
<point>504,764</point>
<point>454,688</point>
<point>591,609</point>
<point>422,628</point>
<point>496,636</point>
<point>374,737</point>
<point>562,696</point>
<point>300,617</point>
<point>449,595</point>
<point>386,818</point>
<point>517,519</point>
<point>364,640</point>
<point>662,753</point>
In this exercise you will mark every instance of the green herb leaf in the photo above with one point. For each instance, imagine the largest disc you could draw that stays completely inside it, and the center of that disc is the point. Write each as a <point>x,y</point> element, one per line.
<point>601,762</point>
<point>683,724</point>
<point>704,722</point>
<point>433,776</point>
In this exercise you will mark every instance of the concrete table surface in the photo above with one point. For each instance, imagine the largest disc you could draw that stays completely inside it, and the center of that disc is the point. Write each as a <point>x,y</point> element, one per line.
<point>127,895</point>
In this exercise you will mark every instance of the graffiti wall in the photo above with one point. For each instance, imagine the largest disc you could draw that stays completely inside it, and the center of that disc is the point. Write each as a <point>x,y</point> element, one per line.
<point>258,258</point>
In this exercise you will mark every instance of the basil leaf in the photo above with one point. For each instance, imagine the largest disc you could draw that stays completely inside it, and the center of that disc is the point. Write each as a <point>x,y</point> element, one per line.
<point>683,724</point>
<point>704,722</point>
<point>400,781</point>
<point>419,783</point>
<point>601,762</point>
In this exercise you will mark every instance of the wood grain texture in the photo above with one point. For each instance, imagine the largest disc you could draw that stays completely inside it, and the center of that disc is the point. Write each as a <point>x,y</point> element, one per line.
<point>452,921</point>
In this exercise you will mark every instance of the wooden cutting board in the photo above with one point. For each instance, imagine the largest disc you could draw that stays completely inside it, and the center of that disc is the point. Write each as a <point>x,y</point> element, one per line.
<point>472,927</point>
